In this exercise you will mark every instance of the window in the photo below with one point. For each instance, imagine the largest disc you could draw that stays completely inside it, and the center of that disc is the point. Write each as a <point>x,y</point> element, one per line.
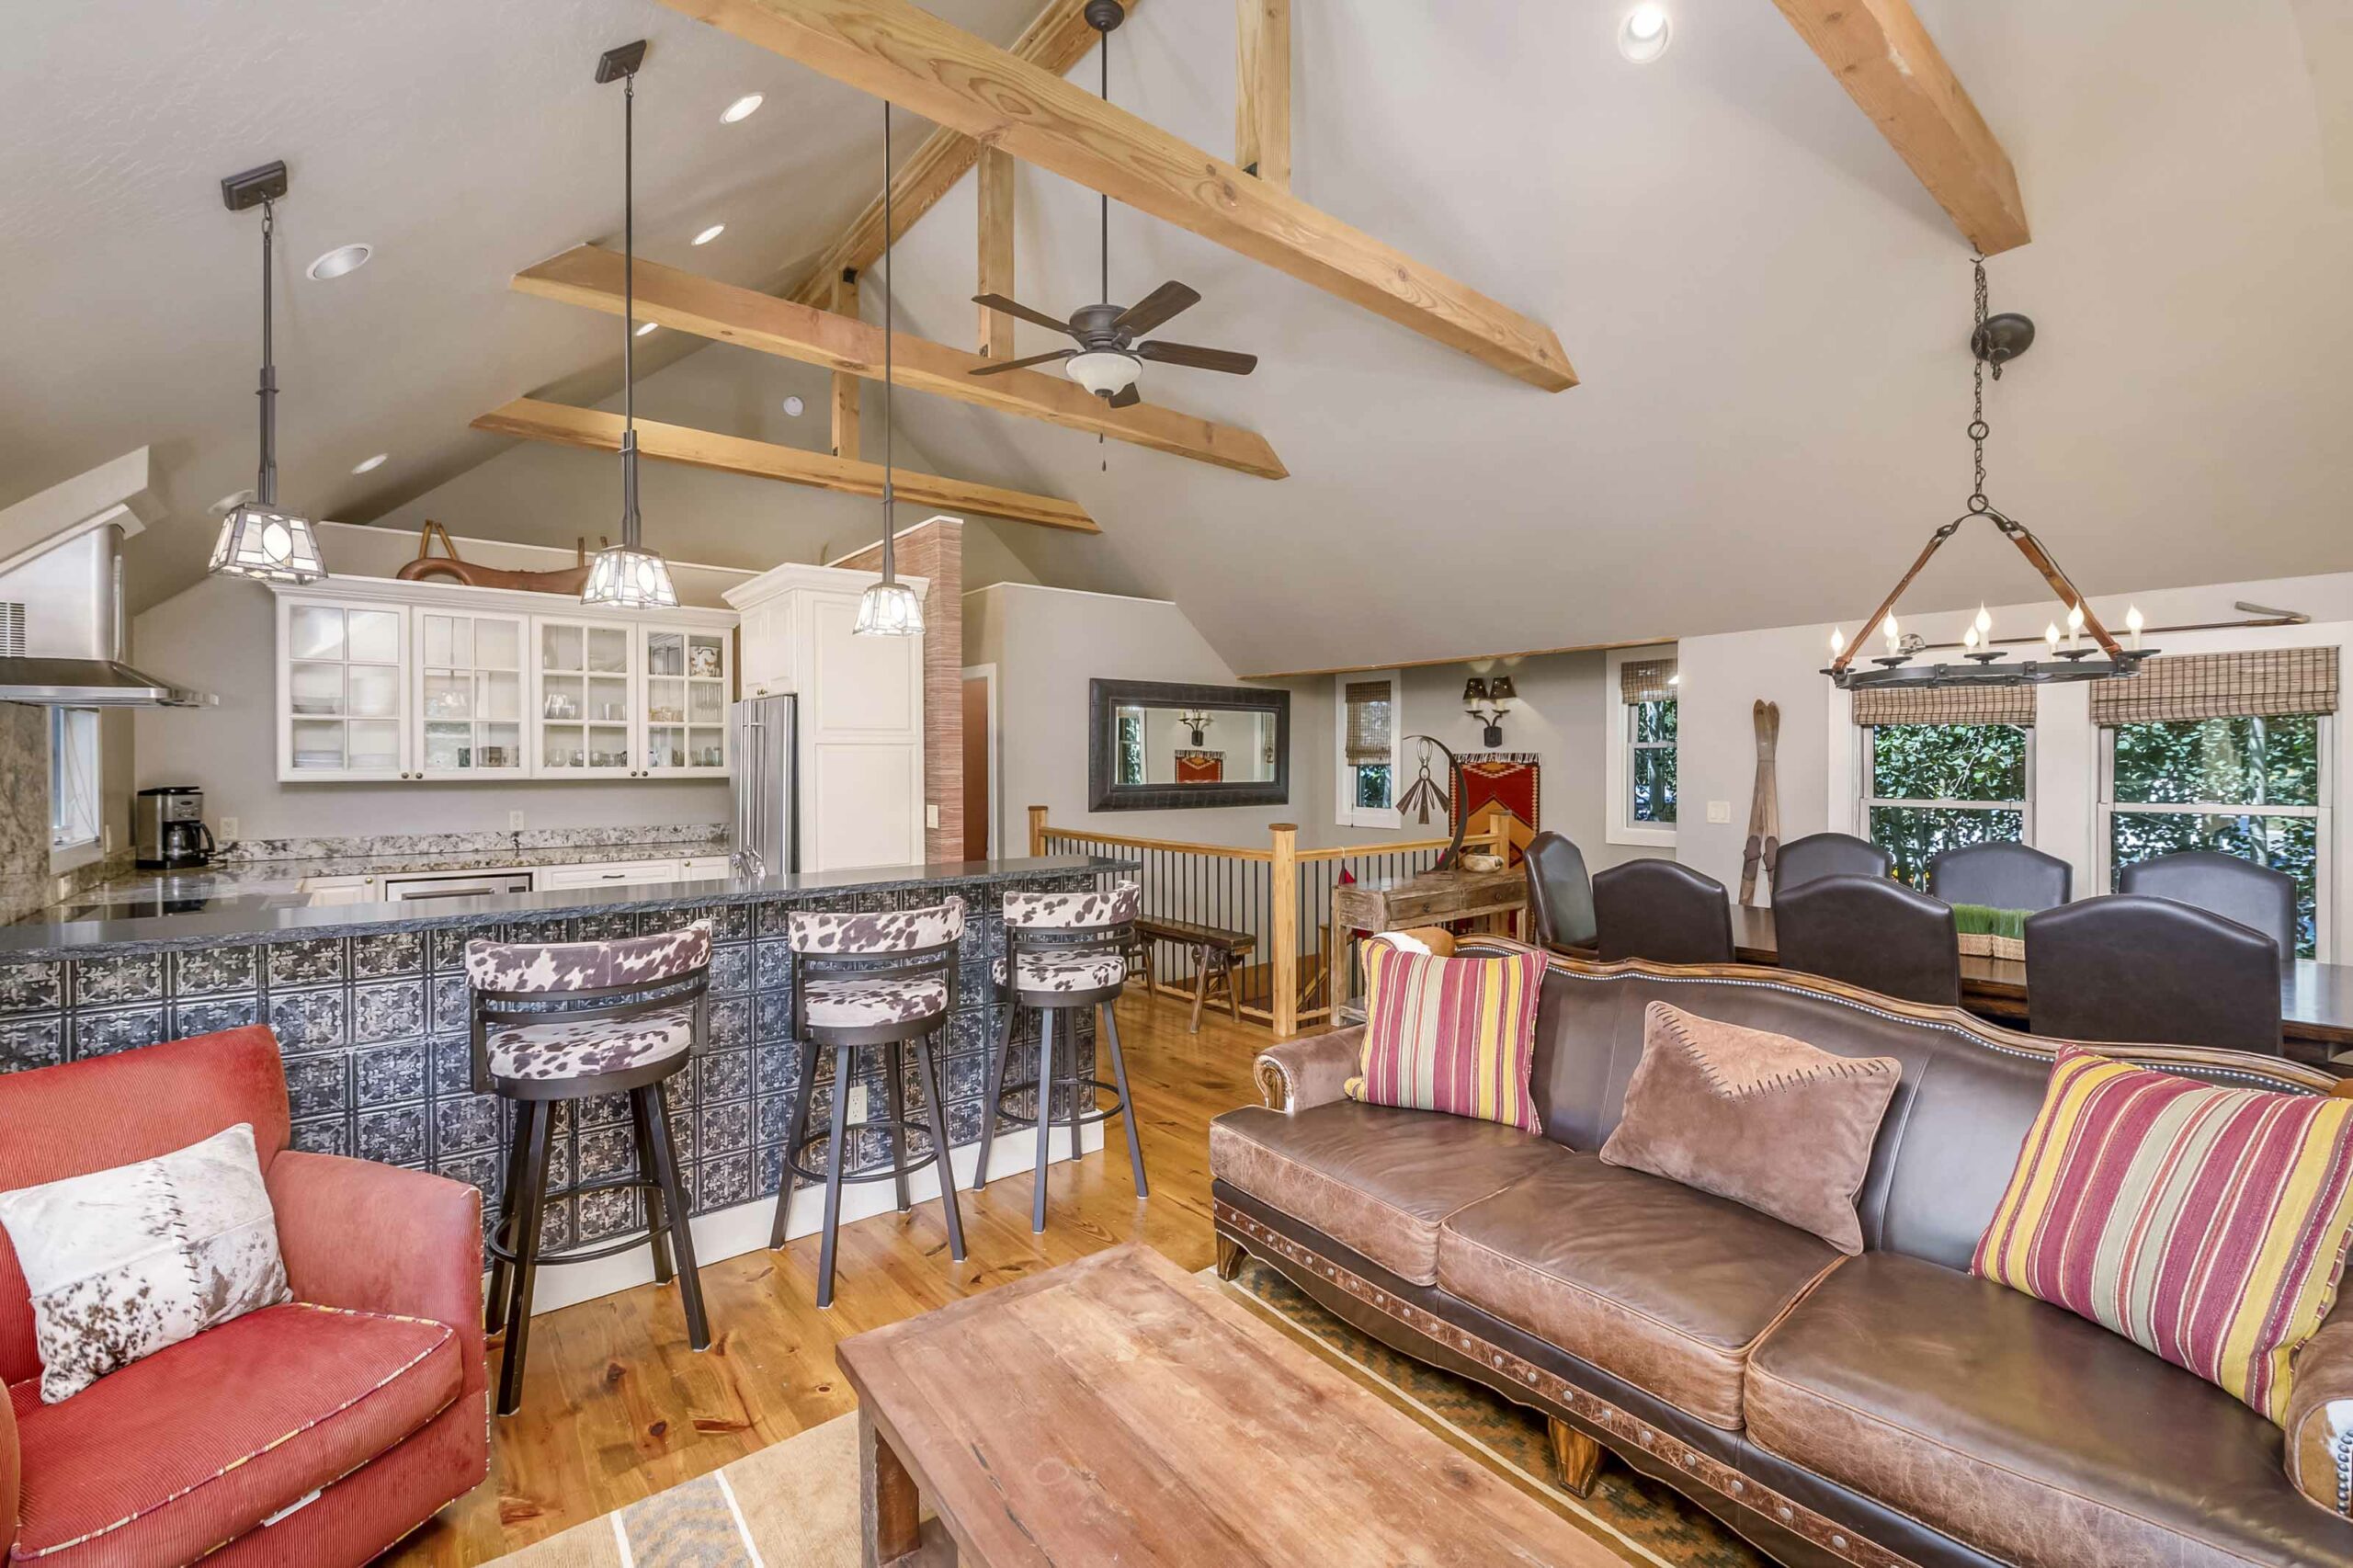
<point>1930,787</point>
<point>1649,774</point>
<point>2252,786</point>
<point>1366,738</point>
<point>1640,691</point>
<point>73,777</point>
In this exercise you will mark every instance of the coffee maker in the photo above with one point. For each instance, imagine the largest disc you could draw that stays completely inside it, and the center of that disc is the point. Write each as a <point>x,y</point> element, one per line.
<point>167,831</point>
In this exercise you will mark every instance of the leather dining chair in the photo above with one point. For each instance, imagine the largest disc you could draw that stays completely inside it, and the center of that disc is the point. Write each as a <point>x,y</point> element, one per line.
<point>2002,876</point>
<point>1560,892</point>
<point>2152,971</point>
<point>1827,855</point>
<point>1873,932</point>
<point>1663,911</point>
<point>2228,885</point>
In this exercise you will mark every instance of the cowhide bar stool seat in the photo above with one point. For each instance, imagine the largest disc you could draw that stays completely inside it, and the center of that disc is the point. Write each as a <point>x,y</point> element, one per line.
<point>1063,951</point>
<point>860,980</point>
<point>570,1021</point>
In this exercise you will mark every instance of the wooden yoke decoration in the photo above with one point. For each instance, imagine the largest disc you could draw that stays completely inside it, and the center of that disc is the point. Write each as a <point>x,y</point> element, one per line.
<point>557,580</point>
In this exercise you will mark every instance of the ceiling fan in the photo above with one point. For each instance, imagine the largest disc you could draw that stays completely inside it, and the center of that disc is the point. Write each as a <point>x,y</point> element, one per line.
<point>1108,359</point>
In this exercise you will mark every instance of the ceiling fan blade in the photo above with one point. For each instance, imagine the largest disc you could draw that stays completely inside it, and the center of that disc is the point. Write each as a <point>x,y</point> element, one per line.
<point>1016,308</point>
<point>1224,360</point>
<point>1163,303</point>
<point>1126,397</point>
<point>998,366</point>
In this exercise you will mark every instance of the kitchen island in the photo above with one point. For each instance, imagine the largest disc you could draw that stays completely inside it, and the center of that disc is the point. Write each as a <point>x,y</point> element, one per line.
<point>369,1004</point>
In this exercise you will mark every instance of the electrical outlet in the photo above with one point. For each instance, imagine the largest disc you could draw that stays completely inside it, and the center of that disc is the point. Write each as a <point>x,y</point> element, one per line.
<point>930,814</point>
<point>514,822</point>
<point>228,830</point>
<point>858,1102</point>
<point>1720,811</point>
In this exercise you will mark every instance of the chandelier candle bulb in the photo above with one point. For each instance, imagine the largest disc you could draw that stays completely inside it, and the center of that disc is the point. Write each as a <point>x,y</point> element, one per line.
<point>1837,642</point>
<point>2132,623</point>
<point>2051,636</point>
<point>2074,624</point>
<point>1984,621</point>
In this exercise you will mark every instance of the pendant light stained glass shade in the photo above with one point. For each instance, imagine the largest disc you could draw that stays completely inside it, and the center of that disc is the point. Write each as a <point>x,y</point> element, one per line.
<point>889,610</point>
<point>629,577</point>
<point>267,544</point>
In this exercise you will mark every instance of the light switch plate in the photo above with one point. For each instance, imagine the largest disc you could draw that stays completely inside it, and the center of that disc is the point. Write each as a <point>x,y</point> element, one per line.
<point>1720,811</point>
<point>228,830</point>
<point>514,822</point>
<point>930,814</point>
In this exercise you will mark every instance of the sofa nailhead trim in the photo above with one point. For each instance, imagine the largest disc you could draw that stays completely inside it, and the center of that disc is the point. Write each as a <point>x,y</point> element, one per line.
<point>1269,1244</point>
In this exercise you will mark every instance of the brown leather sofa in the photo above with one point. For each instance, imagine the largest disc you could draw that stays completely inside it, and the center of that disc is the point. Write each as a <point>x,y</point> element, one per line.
<point>1888,1408</point>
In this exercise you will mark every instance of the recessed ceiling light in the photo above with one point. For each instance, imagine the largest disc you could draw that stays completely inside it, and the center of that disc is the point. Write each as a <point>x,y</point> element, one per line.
<point>1643,37</point>
<point>370,465</point>
<point>793,406</point>
<point>742,109</point>
<point>644,327</point>
<point>340,260</point>
<point>710,234</point>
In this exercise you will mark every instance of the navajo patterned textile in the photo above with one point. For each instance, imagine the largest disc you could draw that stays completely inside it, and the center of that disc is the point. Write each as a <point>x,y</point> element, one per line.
<point>1451,1035</point>
<point>2206,1225</point>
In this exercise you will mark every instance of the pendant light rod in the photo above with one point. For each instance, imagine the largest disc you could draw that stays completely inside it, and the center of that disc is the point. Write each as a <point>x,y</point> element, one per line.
<point>629,521</point>
<point>266,481</point>
<point>890,313</point>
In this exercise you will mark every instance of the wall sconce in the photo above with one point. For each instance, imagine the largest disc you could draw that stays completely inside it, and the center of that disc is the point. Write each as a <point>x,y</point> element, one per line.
<point>1488,700</point>
<point>1197,720</point>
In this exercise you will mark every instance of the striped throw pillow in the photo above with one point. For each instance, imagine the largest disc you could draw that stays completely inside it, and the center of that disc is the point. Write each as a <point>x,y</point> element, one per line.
<point>1452,1035</point>
<point>2206,1225</point>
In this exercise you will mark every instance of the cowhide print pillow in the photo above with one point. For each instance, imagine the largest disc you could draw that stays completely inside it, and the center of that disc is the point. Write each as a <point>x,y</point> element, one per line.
<point>885,931</point>
<point>1118,904</point>
<point>124,1262</point>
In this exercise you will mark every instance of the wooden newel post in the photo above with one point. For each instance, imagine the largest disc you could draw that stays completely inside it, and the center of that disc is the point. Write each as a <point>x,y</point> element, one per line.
<point>1037,830</point>
<point>1282,897</point>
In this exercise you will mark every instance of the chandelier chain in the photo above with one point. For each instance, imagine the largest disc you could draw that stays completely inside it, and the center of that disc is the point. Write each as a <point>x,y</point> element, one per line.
<point>1978,429</point>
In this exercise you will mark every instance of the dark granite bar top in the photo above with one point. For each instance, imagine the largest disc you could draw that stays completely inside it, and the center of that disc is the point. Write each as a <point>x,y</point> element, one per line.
<point>234,917</point>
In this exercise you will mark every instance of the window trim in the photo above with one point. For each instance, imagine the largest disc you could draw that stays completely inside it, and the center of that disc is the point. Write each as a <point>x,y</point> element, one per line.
<point>1618,752</point>
<point>1344,814</point>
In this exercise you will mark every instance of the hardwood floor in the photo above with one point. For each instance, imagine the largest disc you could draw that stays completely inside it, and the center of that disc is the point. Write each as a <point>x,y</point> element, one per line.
<point>616,1406</point>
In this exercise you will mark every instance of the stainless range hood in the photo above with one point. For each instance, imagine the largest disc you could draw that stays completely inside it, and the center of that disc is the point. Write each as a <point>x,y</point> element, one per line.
<point>60,639</point>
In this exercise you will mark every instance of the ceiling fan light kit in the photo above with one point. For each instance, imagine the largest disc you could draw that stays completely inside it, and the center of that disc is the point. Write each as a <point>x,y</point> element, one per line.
<point>1994,342</point>
<point>259,539</point>
<point>1105,372</point>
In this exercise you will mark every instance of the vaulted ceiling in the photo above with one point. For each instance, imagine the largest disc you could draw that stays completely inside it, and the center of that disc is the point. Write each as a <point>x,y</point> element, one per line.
<point>1765,308</point>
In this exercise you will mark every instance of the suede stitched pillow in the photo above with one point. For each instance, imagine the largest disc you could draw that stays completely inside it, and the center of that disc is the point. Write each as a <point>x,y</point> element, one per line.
<point>1765,1120</point>
<point>122,1262</point>
<point>2206,1225</point>
<point>1452,1035</point>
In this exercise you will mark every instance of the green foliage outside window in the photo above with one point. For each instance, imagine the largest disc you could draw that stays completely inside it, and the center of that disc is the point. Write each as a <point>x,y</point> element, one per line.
<point>2223,762</point>
<point>1372,786</point>
<point>1651,755</point>
<point>1945,762</point>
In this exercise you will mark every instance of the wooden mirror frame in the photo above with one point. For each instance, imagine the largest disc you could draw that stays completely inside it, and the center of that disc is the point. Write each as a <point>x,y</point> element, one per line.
<point>1105,698</point>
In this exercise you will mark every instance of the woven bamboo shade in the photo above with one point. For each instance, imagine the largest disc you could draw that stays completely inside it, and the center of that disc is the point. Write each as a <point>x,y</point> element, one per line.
<point>1371,721</point>
<point>1945,705</point>
<point>2263,683</point>
<point>1646,681</point>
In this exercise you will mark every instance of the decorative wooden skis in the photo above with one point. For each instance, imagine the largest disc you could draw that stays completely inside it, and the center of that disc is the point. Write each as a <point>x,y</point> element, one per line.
<point>1763,847</point>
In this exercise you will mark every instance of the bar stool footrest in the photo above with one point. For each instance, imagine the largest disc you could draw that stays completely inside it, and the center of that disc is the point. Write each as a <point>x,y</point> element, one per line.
<point>1099,1112</point>
<point>884,1172</point>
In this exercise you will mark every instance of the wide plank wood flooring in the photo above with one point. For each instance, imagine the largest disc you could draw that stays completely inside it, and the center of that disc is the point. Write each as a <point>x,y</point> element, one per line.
<point>616,1407</point>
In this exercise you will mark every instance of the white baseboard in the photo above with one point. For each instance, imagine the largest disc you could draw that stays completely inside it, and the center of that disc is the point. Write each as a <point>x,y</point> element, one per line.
<point>731,1232</point>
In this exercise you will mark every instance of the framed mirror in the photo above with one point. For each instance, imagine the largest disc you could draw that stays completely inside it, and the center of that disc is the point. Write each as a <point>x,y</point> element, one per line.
<point>1162,745</point>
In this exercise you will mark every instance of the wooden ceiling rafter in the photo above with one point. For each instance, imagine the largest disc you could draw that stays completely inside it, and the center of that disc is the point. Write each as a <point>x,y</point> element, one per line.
<point>1884,58</point>
<point>591,276</point>
<point>1262,89</point>
<point>899,52</point>
<point>596,430</point>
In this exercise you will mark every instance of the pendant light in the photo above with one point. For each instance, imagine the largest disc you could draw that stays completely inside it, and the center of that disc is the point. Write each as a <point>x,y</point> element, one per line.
<point>259,539</point>
<point>889,608</point>
<point>628,574</point>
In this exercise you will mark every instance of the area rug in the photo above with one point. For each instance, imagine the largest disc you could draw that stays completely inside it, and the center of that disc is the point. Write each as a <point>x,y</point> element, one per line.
<point>1634,1516</point>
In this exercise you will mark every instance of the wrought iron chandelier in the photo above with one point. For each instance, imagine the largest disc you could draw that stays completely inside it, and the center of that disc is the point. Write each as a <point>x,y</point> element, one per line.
<point>1994,342</point>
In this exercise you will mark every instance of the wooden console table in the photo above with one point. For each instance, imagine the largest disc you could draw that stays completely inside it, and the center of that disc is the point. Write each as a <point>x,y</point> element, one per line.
<point>1429,898</point>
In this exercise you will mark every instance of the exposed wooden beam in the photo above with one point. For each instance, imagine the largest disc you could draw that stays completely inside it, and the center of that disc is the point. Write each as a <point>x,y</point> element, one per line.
<point>587,275</point>
<point>598,431</point>
<point>1056,39</point>
<point>1262,95</point>
<point>997,250</point>
<point>896,52</point>
<point>845,386</point>
<point>1896,74</point>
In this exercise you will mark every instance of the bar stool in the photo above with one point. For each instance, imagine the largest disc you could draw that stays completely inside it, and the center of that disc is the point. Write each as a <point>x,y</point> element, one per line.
<point>569,1021</point>
<point>1063,951</point>
<point>859,980</point>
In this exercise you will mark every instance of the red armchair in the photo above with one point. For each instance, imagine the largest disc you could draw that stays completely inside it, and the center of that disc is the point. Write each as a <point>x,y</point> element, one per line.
<point>314,1433</point>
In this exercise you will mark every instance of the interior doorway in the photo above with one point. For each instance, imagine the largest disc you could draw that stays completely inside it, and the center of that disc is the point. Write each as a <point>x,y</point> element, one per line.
<point>981,838</point>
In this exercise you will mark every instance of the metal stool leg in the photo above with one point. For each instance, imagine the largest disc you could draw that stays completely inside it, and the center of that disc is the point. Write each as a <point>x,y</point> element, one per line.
<point>894,1065</point>
<point>1082,1097</point>
<point>1000,1059</point>
<point>502,1273</point>
<point>539,1117</point>
<point>938,1117</point>
<point>656,1211</point>
<point>1127,1101</point>
<point>843,1060</point>
<point>674,1203</point>
<point>793,1134</point>
<point>1045,1116</point>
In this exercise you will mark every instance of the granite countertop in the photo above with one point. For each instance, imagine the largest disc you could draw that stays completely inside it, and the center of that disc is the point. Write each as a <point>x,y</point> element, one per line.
<point>241,913</point>
<point>158,892</point>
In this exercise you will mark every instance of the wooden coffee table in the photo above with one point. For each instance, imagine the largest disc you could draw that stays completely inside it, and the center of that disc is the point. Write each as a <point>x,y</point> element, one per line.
<point>1119,1410</point>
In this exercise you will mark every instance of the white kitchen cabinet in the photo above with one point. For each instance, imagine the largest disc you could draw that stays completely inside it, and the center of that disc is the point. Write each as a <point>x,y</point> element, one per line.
<point>470,690</point>
<point>858,735</point>
<point>342,689</point>
<point>588,707</point>
<point>687,685</point>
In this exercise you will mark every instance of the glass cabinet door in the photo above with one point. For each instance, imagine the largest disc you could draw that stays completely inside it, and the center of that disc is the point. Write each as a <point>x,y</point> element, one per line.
<point>345,675</point>
<point>687,689</point>
<point>588,686</point>
<point>470,685</point>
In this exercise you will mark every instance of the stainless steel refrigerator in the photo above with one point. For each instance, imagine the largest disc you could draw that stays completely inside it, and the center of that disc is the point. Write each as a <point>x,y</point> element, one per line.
<point>767,839</point>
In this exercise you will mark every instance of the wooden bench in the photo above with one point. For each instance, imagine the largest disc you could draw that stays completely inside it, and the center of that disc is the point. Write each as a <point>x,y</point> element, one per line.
<point>1212,947</point>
